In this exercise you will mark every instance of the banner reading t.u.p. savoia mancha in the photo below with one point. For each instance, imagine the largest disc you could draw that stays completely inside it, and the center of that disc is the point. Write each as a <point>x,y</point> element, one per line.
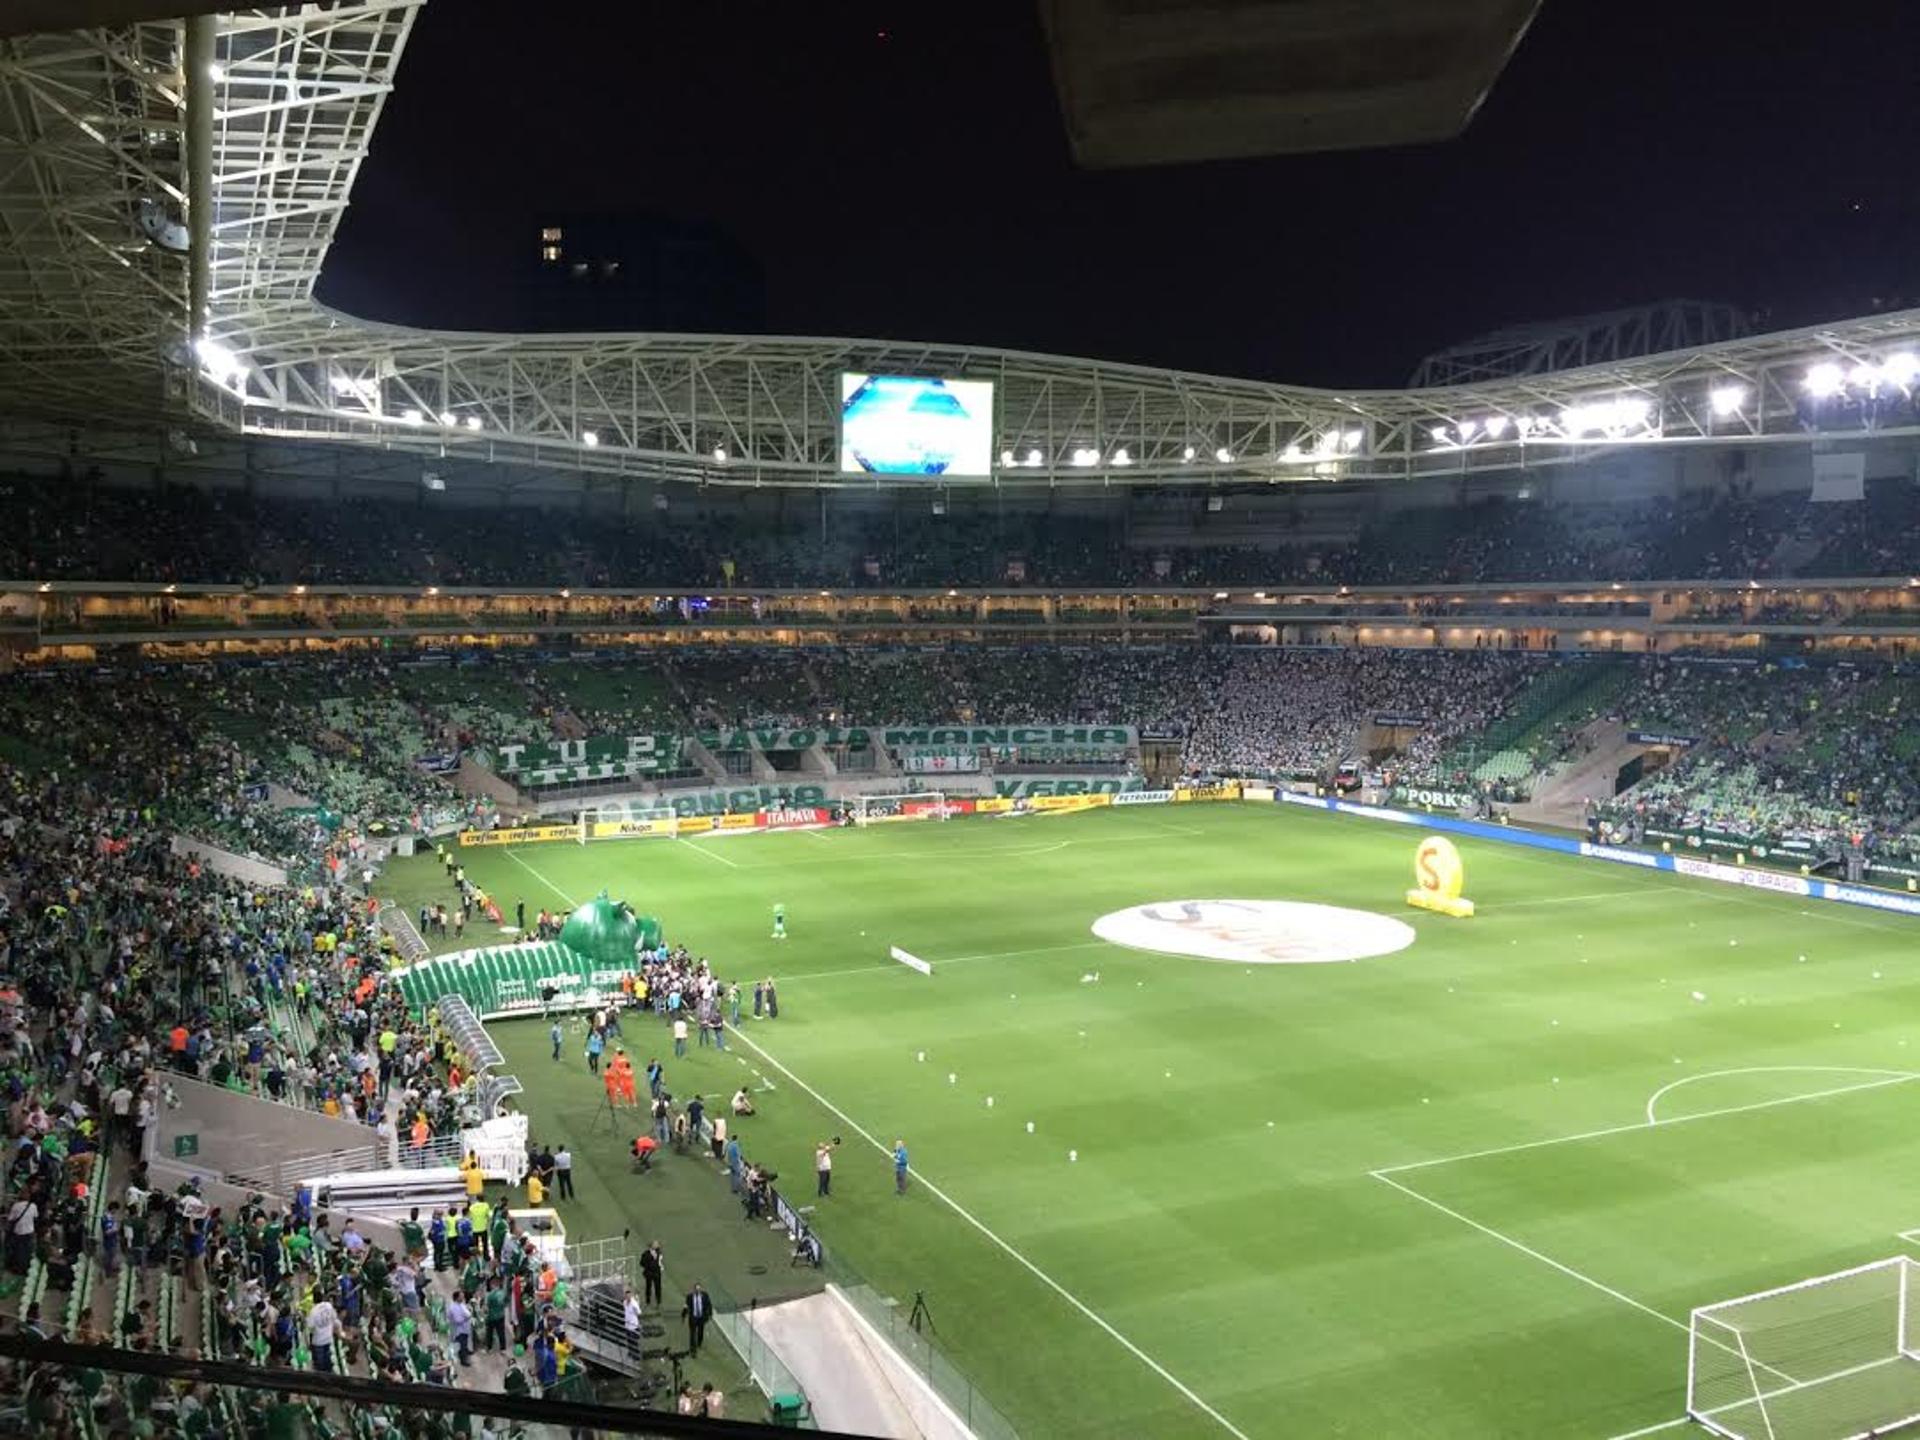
<point>620,757</point>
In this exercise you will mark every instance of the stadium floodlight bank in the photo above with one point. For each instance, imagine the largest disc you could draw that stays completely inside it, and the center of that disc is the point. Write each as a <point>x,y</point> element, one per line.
<point>885,809</point>
<point>1831,1358</point>
<point>625,822</point>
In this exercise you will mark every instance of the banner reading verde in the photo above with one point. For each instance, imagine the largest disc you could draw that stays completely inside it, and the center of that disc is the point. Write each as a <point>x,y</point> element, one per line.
<point>604,757</point>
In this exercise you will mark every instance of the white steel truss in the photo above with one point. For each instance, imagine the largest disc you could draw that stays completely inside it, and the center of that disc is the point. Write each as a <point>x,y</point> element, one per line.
<point>96,276</point>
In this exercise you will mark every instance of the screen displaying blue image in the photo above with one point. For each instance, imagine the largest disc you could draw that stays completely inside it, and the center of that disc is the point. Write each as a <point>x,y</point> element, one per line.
<point>903,425</point>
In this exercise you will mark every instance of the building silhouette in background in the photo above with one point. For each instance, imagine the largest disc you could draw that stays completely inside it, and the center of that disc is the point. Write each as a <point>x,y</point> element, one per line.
<point>635,272</point>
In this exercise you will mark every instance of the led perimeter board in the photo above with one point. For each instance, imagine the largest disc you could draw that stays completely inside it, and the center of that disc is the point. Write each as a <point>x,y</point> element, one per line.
<point>907,426</point>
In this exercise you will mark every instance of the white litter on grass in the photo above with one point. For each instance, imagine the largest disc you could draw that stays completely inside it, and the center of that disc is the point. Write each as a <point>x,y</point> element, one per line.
<point>1169,1074</point>
<point>1029,1127</point>
<point>1425,1101</point>
<point>921,1057</point>
<point>1073,1155</point>
<point>1699,995</point>
<point>1676,1059</point>
<point>1836,1024</point>
<point>1269,1124</point>
<point>1803,959</point>
<point>989,1102</point>
<point>1876,974</point>
<point>1092,977</point>
<point>1553,1022</point>
<point>951,1077</point>
<point>1556,1079</point>
<point>1733,942</point>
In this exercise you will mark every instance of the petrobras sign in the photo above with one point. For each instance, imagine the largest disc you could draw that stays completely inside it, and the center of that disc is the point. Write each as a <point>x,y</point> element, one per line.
<point>1144,797</point>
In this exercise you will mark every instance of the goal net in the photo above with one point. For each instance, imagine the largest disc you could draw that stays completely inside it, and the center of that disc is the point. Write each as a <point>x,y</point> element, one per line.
<point>884,809</point>
<point>1827,1359</point>
<point>629,822</point>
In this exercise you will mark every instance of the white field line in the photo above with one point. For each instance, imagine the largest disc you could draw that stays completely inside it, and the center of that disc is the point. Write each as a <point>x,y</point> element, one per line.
<point>1567,1270</point>
<point>1895,1078</point>
<point>1700,887</point>
<point>966,1215</point>
<point>714,855</point>
<point>1026,1264</point>
<point>1655,1429</point>
<point>514,856</point>
<point>1654,1099</point>
<point>1572,1274</point>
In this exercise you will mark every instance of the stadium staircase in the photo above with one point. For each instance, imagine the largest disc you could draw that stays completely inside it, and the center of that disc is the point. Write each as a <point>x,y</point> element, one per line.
<point>1511,749</point>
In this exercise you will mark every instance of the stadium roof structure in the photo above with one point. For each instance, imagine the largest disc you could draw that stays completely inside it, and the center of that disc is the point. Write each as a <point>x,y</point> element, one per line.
<point>1154,82</point>
<point>169,190</point>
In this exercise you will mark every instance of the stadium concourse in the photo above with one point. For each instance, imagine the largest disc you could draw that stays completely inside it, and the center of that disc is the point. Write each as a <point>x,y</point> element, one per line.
<point>77,526</point>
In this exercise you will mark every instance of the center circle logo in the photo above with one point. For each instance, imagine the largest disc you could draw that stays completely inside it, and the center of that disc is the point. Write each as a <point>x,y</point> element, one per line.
<point>1255,932</point>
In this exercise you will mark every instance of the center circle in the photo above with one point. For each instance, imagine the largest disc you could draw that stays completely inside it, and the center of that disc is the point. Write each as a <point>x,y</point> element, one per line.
<point>1255,932</point>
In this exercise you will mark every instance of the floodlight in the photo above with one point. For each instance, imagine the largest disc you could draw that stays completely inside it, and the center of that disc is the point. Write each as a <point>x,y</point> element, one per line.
<point>1466,428</point>
<point>1524,424</point>
<point>1901,368</point>
<point>473,422</point>
<point>1610,416</point>
<point>1223,455</point>
<point>1727,399</point>
<point>1083,457</point>
<point>1121,457</point>
<point>219,362</point>
<point>719,454</point>
<point>342,383</point>
<point>1035,458</point>
<point>1351,439</point>
<point>1439,433</point>
<point>589,438</point>
<point>1495,426</point>
<point>449,419</point>
<point>1864,375</point>
<point>1823,380</point>
<point>413,417</point>
<point>1292,452</point>
<point>1187,454</point>
<point>216,72</point>
<point>1006,457</point>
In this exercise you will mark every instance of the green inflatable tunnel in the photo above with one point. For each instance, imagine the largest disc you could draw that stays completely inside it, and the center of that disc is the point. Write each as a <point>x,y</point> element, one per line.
<point>607,932</point>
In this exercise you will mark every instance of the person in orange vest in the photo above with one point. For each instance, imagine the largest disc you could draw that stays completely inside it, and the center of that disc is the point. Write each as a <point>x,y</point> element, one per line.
<point>420,1136</point>
<point>621,1071</point>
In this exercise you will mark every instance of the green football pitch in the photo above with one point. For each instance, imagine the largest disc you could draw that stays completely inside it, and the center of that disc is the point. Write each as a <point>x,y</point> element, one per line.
<point>1471,1187</point>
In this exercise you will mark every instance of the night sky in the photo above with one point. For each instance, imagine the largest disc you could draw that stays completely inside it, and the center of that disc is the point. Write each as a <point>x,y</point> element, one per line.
<point>901,170</point>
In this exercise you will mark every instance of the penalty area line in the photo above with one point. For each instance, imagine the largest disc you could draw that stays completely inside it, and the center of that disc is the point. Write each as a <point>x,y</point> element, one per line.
<point>714,855</point>
<point>1052,1284</point>
<point>1530,1252</point>
<point>514,856</point>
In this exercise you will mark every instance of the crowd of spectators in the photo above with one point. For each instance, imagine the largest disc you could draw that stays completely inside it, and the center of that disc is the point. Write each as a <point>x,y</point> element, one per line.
<point>82,528</point>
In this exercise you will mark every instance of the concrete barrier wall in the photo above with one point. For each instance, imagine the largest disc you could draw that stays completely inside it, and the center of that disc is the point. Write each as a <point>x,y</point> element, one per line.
<point>225,862</point>
<point>240,1134</point>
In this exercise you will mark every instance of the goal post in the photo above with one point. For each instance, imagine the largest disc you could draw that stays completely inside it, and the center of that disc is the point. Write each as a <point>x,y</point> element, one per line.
<point>1830,1358</point>
<point>628,822</point>
<point>885,809</point>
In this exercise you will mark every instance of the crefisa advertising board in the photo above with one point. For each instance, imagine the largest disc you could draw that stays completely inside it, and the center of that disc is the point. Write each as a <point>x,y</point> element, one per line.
<point>911,427</point>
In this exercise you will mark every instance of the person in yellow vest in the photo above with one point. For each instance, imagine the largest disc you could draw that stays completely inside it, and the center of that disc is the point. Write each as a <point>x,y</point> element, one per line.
<point>536,1192</point>
<point>470,1172</point>
<point>481,1213</point>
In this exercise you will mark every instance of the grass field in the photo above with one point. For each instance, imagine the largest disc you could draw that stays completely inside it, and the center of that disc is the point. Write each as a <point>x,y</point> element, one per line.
<point>1420,1193</point>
